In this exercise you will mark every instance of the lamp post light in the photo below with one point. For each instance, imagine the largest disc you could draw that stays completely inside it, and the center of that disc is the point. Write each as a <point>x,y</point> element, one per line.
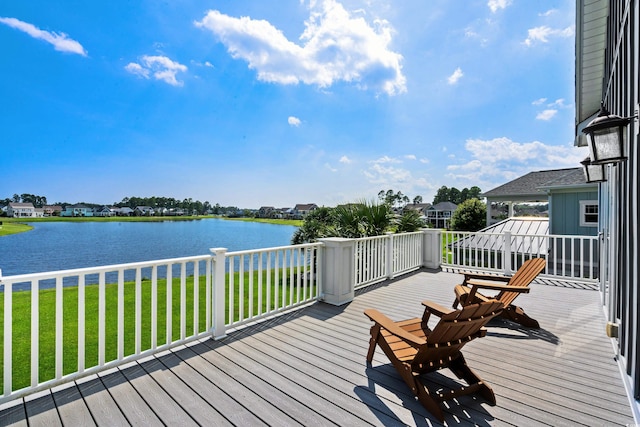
<point>606,136</point>
<point>593,172</point>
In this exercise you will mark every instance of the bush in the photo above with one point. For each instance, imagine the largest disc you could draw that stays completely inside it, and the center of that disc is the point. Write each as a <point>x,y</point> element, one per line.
<point>471,215</point>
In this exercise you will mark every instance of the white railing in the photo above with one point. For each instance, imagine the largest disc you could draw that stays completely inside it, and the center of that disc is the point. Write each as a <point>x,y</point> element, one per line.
<point>380,258</point>
<point>276,279</point>
<point>568,257</point>
<point>61,325</point>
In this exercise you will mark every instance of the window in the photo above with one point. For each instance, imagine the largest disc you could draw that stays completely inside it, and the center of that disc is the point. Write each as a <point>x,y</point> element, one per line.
<point>588,213</point>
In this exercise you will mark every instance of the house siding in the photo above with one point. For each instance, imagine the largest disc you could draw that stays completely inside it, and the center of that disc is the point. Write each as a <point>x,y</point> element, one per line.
<point>620,194</point>
<point>565,215</point>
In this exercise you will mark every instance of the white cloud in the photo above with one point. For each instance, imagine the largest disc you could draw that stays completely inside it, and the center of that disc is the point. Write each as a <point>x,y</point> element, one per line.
<point>162,68</point>
<point>495,161</point>
<point>60,41</point>
<point>137,69</point>
<point>330,168</point>
<point>539,101</point>
<point>335,46</point>
<point>546,114</point>
<point>548,12</point>
<point>385,159</point>
<point>346,160</point>
<point>294,121</point>
<point>495,5</point>
<point>457,75</point>
<point>558,103</point>
<point>387,175</point>
<point>543,33</point>
<point>410,157</point>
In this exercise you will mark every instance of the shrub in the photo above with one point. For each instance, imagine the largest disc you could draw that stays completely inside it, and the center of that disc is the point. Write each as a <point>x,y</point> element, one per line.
<point>471,215</point>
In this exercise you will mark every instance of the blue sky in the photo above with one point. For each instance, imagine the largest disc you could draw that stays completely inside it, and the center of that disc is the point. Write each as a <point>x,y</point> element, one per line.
<point>254,103</point>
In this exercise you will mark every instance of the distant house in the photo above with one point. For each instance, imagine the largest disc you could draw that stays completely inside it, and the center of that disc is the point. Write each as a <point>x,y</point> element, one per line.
<point>421,208</point>
<point>125,211</point>
<point>21,210</point>
<point>143,211</point>
<point>77,210</point>
<point>439,215</point>
<point>573,203</point>
<point>52,210</point>
<point>105,211</point>
<point>301,210</point>
<point>266,212</point>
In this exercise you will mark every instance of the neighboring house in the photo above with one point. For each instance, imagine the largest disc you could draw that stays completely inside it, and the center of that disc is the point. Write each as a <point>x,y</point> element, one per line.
<point>300,210</point>
<point>439,215</point>
<point>608,72</point>
<point>52,210</point>
<point>421,208</point>
<point>77,210</point>
<point>143,211</point>
<point>125,211</point>
<point>266,212</point>
<point>573,203</point>
<point>103,211</point>
<point>21,210</point>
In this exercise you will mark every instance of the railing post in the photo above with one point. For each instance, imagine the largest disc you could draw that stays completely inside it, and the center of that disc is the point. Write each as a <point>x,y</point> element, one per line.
<point>506,254</point>
<point>388,262</point>
<point>218,292</point>
<point>431,248</point>
<point>338,270</point>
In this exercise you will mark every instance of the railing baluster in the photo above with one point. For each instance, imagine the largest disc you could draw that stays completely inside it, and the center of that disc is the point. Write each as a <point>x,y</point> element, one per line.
<point>35,332</point>
<point>81,322</point>
<point>154,307</point>
<point>120,312</point>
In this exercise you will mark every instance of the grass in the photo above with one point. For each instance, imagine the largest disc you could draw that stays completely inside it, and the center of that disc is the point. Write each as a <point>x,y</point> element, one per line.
<point>11,227</point>
<point>21,324</point>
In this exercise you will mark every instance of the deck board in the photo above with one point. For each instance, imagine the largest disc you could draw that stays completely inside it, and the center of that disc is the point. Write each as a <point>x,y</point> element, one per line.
<point>308,368</point>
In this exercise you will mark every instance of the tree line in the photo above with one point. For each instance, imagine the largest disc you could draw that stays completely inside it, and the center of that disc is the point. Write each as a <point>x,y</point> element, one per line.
<point>187,204</point>
<point>445,194</point>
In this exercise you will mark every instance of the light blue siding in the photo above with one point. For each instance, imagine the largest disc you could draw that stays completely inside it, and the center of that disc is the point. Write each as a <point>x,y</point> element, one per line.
<point>565,214</point>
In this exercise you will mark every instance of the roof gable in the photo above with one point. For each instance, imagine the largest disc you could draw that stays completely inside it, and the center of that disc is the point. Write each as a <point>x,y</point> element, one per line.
<point>530,185</point>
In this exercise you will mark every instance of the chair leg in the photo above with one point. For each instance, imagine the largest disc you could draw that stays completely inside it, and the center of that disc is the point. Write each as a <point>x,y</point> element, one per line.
<point>463,371</point>
<point>518,315</point>
<point>375,332</point>
<point>424,397</point>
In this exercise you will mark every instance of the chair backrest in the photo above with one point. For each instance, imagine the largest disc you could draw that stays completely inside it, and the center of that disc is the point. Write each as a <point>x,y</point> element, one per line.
<point>456,329</point>
<point>523,277</point>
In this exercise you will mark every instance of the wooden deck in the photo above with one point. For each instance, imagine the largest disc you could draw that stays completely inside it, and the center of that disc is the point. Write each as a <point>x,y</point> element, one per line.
<point>308,368</point>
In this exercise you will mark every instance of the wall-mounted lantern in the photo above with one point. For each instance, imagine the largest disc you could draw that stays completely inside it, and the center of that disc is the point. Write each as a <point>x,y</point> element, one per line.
<point>606,136</point>
<point>593,172</point>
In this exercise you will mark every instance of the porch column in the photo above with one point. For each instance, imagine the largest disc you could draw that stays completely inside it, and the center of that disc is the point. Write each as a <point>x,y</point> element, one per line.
<point>338,270</point>
<point>431,248</point>
<point>218,292</point>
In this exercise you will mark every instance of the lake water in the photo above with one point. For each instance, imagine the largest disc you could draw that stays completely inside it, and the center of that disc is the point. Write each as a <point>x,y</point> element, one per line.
<point>65,245</point>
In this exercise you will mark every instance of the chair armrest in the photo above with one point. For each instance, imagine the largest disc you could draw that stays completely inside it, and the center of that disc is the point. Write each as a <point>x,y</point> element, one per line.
<point>478,276</point>
<point>390,326</point>
<point>436,308</point>
<point>497,286</point>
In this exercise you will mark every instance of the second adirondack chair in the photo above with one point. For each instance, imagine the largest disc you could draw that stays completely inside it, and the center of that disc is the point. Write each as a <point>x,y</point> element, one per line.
<point>509,289</point>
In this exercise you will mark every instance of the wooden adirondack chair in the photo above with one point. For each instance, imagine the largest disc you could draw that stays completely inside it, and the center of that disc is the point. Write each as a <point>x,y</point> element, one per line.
<point>414,349</point>
<point>509,289</point>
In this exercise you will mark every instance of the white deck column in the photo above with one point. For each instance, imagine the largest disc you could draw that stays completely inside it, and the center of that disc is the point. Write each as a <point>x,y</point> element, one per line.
<point>338,270</point>
<point>431,248</point>
<point>218,292</point>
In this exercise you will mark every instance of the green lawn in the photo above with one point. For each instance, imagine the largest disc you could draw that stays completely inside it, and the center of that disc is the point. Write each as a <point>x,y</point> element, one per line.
<point>13,227</point>
<point>22,320</point>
